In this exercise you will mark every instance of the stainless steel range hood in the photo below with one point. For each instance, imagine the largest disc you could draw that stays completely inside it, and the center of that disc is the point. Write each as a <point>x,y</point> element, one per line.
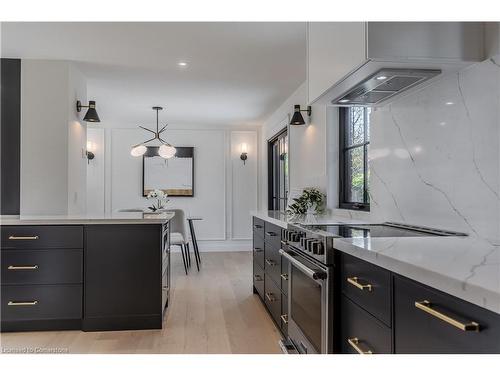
<point>383,85</point>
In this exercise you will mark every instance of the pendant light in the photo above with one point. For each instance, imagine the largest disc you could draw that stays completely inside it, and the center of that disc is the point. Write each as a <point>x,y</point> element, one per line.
<point>166,150</point>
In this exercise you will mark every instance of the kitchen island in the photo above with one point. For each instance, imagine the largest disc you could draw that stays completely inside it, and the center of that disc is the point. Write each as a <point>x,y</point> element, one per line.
<point>89,272</point>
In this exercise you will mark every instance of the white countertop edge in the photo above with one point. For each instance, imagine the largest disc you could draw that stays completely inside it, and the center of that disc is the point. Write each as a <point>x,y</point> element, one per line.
<point>119,218</point>
<point>477,295</point>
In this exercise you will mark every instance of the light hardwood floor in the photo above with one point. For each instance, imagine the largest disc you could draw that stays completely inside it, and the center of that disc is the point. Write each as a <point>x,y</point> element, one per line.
<point>213,311</point>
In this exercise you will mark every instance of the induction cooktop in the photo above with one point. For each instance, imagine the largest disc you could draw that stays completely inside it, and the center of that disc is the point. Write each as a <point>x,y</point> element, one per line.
<point>378,230</point>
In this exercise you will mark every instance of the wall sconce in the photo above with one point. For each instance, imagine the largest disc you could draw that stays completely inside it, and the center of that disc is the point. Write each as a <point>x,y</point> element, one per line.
<point>244,153</point>
<point>297,118</point>
<point>89,152</point>
<point>91,115</point>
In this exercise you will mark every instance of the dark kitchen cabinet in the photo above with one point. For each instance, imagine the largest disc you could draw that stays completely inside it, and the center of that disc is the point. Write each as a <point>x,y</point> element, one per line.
<point>361,333</point>
<point>429,321</point>
<point>367,285</point>
<point>41,277</point>
<point>123,277</point>
<point>270,272</point>
<point>258,250</point>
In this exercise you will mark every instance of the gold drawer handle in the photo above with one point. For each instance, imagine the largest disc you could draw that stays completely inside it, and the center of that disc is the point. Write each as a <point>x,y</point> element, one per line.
<point>22,303</point>
<point>18,268</point>
<point>23,237</point>
<point>355,281</point>
<point>284,318</point>
<point>426,306</point>
<point>270,297</point>
<point>270,262</point>
<point>284,276</point>
<point>354,342</point>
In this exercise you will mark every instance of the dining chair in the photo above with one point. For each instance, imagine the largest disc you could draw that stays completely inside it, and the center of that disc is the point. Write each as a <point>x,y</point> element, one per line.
<point>178,236</point>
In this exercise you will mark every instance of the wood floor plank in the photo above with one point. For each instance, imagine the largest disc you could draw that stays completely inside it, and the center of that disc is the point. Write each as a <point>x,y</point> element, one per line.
<point>213,311</point>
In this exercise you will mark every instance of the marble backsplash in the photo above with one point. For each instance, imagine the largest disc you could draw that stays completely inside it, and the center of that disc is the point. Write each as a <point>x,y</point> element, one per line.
<point>434,155</point>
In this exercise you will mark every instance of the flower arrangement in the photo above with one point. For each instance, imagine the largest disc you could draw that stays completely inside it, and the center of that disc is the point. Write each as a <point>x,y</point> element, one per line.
<point>161,199</point>
<point>312,200</point>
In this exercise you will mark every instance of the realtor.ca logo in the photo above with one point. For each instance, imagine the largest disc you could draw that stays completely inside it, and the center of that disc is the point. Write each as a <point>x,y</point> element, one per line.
<point>34,350</point>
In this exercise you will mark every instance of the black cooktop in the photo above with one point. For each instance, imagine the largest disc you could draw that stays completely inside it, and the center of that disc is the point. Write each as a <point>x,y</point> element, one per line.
<point>375,230</point>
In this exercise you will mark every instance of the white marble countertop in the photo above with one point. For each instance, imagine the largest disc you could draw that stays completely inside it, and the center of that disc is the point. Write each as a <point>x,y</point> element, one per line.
<point>113,218</point>
<point>465,267</point>
<point>282,219</point>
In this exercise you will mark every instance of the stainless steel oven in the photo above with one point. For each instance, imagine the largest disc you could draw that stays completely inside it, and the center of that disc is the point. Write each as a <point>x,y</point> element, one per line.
<point>310,303</point>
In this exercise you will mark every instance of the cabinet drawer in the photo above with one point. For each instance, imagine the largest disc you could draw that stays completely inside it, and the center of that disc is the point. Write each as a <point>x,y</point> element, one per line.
<point>272,299</point>
<point>430,329</point>
<point>42,267</point>
<point>258,250</point>
<point>272,263</point>
<point>258,280</point>
<point>272,235</point>
<point>367,285</point>
<point>284,314</point>
<point>42,237</point>
<point>361,332</point>
<point>38,302</point>
<point>258,226</point>
<point>284,275</point>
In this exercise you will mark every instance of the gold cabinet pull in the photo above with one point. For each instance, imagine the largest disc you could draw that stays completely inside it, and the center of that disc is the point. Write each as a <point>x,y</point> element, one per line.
<point>284,276</point>
<point>258,250</point>
<point>426,306</point>
<point>354,342</point>
<point>270,262</point>
<point>270,297</point>
<point>22,303</point>
<point>23,237</point>
<point>19,268</point>
<point>355,281</point>
<point>284,318</point>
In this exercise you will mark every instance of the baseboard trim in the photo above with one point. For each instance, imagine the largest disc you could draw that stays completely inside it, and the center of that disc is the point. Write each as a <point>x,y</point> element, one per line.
<point>216,246</point>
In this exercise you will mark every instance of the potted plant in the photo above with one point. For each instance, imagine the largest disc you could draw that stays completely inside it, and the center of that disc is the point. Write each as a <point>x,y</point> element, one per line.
<point>161,199</point>
<point>312,201</point>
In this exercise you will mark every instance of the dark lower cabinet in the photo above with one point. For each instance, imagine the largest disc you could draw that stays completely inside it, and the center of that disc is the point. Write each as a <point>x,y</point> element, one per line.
<point>362,333</point>
<point>258,280</point>
<point>123,277</point>
<point>270,278</point>
<point>429,321</point>
<point>272,299</point>
<point>41,277</point>
<point>54,266</point>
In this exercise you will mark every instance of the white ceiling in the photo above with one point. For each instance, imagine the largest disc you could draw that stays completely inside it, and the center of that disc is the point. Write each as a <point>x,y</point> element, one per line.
<point>237,73</point>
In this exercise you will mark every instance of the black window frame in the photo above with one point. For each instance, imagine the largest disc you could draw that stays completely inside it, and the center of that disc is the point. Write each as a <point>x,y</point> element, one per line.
<point>344,179</point>
<point>272,179</point>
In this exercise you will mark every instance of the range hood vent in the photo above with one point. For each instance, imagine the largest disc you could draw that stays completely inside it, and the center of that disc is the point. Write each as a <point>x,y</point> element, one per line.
<point>383,85</point>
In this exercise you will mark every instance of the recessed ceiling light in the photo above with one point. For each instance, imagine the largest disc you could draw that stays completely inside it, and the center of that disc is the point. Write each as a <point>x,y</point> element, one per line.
<point>182,63</point>
<point>381,78</point>
<point>449,103</point>
<point>343,100</point>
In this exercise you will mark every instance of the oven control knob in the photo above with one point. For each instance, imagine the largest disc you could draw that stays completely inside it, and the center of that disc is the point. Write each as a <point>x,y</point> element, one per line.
<point>318,248</point>
<point>309,243</point>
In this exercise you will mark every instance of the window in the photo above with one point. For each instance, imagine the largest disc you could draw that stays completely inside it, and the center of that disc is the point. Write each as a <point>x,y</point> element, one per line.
<point>354,145</point>
<point>278,172</point>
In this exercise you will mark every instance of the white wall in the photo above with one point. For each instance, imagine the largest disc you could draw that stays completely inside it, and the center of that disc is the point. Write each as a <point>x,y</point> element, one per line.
<point>307,145</point>
<point>95,171</point>
<point>52,166</point>
<point>225,190</point>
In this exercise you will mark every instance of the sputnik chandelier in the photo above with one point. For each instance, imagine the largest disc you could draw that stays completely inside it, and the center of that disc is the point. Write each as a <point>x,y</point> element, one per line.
<point>166,150</point>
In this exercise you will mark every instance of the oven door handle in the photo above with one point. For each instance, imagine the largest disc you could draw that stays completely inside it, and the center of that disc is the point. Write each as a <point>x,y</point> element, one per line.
<point>313,274</point>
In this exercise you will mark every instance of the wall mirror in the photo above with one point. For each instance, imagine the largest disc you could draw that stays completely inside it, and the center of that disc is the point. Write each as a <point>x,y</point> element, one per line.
<point>175,176</point>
